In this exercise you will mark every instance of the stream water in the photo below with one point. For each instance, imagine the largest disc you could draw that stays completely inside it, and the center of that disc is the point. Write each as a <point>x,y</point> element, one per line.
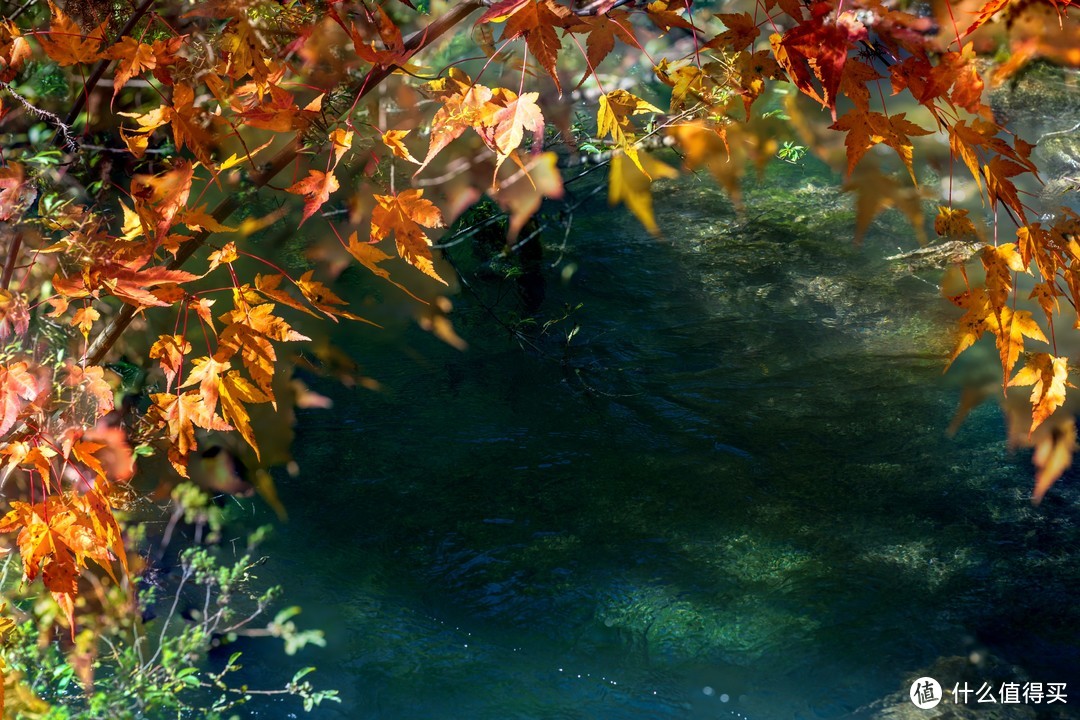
<point>729,495</point>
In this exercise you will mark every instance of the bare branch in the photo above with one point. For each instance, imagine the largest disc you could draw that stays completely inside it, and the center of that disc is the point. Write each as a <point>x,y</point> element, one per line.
<point>62,127</point>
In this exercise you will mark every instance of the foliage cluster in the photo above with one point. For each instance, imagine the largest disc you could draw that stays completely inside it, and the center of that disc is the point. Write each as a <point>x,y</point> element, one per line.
<point>139,182</point>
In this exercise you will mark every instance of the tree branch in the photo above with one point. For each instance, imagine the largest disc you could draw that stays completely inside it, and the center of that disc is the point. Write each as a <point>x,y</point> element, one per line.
<point>63,128</point>
<point>415,42</point>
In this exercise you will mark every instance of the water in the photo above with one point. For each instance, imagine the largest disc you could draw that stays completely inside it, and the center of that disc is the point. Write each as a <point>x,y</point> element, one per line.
<point>729,495</point>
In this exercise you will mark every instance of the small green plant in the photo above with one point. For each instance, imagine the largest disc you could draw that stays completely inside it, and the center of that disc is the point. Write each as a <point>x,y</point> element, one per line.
<point>791,153</point>
<point>159,667</point>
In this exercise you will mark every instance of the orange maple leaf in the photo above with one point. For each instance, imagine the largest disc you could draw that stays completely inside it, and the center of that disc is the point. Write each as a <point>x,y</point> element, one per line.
<point>18,387</point>
<point>135,58</point>
<point>316,187</point>
<point>1049,375</point>
<point>235,392</point>
<point>866,129</point>
<point>393,139</point>
<point>468,107</point>
<point>536,21</point>
<point>404,214</point>
<point>602,30</point>
<point>269,285</point>
<point>521,194</point>
<point>65,42</point>
<point>1053,456</point>
<point>182,413</point>
<point>972,325</point>
<point>665,14</point>
<point>1011,328</point>
<point>507,126</point>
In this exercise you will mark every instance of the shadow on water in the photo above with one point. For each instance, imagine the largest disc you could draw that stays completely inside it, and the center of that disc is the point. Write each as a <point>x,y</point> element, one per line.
<point>732,493</point>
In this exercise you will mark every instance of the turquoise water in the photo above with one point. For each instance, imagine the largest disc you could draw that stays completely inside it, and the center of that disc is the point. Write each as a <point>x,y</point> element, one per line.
<point>730,494</point>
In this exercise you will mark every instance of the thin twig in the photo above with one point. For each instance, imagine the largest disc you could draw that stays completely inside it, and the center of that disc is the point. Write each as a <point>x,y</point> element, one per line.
<point>64,128</point>
<point>188,572</point>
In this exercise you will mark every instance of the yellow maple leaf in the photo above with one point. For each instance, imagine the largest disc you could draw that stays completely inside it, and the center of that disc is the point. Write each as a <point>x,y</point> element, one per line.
<point>1053,456</point>
<point>1049,375</point>
<point>630,184</point>
<point>404,214</point>
<point>613,118</point>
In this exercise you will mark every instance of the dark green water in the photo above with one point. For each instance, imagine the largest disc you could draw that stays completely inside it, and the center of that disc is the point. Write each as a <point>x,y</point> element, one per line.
<point>730,493</point>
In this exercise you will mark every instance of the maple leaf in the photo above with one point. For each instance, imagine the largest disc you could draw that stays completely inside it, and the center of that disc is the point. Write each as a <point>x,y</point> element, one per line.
<point>630,184</point>
<point>1000,262</point>
<point>235,392</point>
<point>316,187</point>
<point>393,140</point>
<point>57,537</point>
<point>135,58</point>
<point>323,298</point>
<point>268,285</point>
<point>17,388</point>
<point>864,130</point>
<point>182,413</point>
<point>16,194</point>
<point>404,214</point>
<point>137,287</point>
<point>1037,243</point>
<point>389,34</point>
<point>1053,456</point>
<point>521,194</point>
<point>613,118</point>
<point>1049,375</point>
<point>370,256</point>
<point>91,384</point>
<point>226,255</point>
<point>741,32</point>
<point>85,318</point>
<point>818,49</point>
<point>855,81</point>
<point>65,42</point>
<point>665,14</point>
<point>14,315</point>
<point>602,30</point>
<point>707,146</point>
<point>186,131</point>
<point>274,109</point>
<point>200,219</point>
<point>466,108</point>
<point>14,51</point>
<point>536,21</point>
<point>1046,294</point>
<point>1011,328</point>
<point>754,69</point>
<point>875,192</point>
<point>245,51</point>
<point>508,126</point>
<point>972,325</point>
<point>206,372</point>
<point>988,10</point>
<point>998,186</point>
<point>159,198</point>
<point>169,351</point>
<point>794,8</point>
<point>686,80</point>
<point>954,223</point>
<point>249,331</point>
